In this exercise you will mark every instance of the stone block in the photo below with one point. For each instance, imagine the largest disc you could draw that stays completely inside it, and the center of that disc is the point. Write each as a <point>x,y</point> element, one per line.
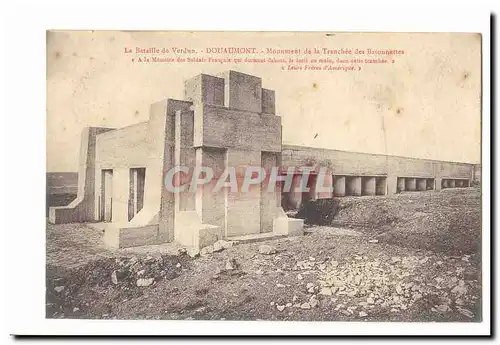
<point>242,91</point>
<point>226,128</point>
<point>124,236</point>
<point>204,88</point>
<point>288,226</point>
<point>191,232</point>
<point>438,183</point>
<point>268,102</point>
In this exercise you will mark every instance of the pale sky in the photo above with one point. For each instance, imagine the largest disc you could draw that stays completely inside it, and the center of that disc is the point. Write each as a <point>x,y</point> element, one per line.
<point>425,105</point>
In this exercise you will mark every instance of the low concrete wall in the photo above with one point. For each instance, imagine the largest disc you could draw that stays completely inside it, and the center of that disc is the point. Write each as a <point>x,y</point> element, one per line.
<point>394,168</point>
<point>117,236</point>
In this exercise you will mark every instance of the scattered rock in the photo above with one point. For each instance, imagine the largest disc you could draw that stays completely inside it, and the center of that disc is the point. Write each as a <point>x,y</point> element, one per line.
<point>221,244</point>
<point>266,249</point>
<point>141,272</point>
<point>58,288</point>
<point>280,307</point>
<point>231,264</point>
<point>465,312</point>
<point>144,282</point>
<point>193,252</point>
<point>373,241</point>
<point>443,308</point>
<point>460,289</point>
<point>228,244</point>
<point>305,306</point>
<point>178,265</point>
<point>395,259</point>
<point>362,314</point>
<point>288,305</point>
<point>280,285</point>
<point>114,279</point>
<point>207,250</point>
<point>217,246</point>
<point>299,276</point>
<point>313,302</point>
<point>325,291</point>
<point>75,309</point>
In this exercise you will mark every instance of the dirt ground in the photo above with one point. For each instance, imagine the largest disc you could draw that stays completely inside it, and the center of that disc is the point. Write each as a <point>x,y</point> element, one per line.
<point>415,259</point>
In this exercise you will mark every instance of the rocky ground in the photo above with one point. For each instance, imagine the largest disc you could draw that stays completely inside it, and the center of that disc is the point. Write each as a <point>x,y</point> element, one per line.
<point>352,270</point>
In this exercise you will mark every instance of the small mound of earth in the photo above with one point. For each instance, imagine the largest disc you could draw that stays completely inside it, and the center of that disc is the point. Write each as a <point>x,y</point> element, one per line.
<point>446,221</point>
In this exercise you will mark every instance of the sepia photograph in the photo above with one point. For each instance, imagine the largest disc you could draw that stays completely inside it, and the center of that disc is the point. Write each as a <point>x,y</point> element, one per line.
<point>187,170</point>
<point>264,176</point>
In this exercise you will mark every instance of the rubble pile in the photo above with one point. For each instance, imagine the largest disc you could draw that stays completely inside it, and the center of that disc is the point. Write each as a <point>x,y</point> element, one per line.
<point>128,275</point>
<point>218,246</point>
<point>144,272</point>
<point>361,285</point>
